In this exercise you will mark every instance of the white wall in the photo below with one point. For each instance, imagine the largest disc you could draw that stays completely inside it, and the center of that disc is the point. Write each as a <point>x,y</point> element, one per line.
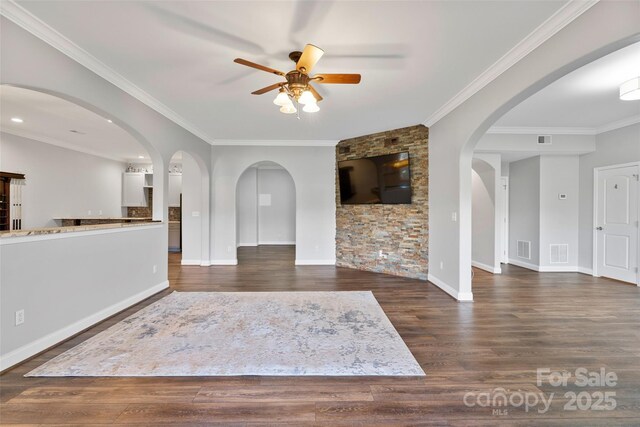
<point>313,172</point>
<point>191,204</point>
<point>452,138</point>
<point>80,279</point>
<point>61,182</point>
<point>524,208</point>
<point>528,143</point>
<point>247,208</point>
<point>277,221</point>
<point>558,218</point>
<point>614,147</point>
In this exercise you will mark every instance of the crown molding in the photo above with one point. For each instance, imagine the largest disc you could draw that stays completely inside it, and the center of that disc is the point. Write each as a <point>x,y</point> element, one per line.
<point>276,143</point>
<point>523,130</point>
<point>565,15</point>
<point>34,25</point>
<point>532,130</point>
<point>61,144</point>
<point>618,124</point>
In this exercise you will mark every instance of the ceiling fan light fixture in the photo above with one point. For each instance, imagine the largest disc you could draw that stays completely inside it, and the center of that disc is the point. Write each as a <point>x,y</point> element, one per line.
<point>630,90</point>
<point>311,107</point>
<point>307,98</point>
<point>282,99</point>
<point>288,109</point>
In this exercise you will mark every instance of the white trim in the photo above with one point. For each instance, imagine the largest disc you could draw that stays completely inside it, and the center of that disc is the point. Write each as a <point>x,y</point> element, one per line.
<point>618,124</point>
<point>460,296</point>
<point>68,234</point>
<point>532,130</point>
<point>223,262</point>
<point>585,270</point>
<point>246,244</point>
<point>25,19</point>
<point>61,144</point>
<point>191,262</point>
<point>26,351</point>
<point>565,15</point>
<point>277,143</point>
<point>274,242</point>
<point>485,267</point>
<point>558,269</point>
<point>315,262</point>
<point>523,264</point>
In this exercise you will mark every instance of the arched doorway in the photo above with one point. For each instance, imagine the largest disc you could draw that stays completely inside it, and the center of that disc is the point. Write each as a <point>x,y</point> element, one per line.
<point>486,227</point>
<point>188,209</point>
<point>266,207</point>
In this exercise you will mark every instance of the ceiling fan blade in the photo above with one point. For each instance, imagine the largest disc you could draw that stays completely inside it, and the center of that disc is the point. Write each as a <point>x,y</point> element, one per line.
<point>257,66</point>
<point>337,78</point>
<point>310,56</point>
<point>315,93</point>
<point>268,88</point>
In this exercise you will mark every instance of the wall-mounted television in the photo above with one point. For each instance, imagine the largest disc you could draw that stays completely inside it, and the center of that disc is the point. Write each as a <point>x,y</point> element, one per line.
<point>375,180</point>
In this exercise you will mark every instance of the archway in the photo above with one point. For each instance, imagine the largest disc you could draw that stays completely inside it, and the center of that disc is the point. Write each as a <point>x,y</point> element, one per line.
<point>188,208</point>
<point>454,137</point>
<point>265,206</point>
<point>486,201</point>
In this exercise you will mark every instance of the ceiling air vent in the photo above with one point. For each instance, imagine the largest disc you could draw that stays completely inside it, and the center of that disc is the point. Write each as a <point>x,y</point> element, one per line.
<point>544,139</point>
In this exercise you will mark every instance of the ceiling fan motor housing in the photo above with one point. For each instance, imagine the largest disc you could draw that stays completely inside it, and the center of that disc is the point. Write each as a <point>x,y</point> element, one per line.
<point>297,82</point>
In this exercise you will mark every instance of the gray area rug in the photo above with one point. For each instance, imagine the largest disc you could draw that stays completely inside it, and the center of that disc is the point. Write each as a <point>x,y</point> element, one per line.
<point>244,333</point>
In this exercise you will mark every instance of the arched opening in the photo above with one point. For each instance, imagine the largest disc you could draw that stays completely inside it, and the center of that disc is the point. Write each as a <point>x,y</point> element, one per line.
<point>188,209</point>
<point>81,167</point>
<point>547,174</point>
<point>486,201</point>
<point>266,209</point>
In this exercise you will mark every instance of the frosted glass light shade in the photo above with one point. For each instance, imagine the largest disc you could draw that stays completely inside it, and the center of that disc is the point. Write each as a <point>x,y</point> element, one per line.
<point>630,90</point>
<point>282,99</point>
<point>307,98</point>
<point>288,109</point>
<point>311,108</point>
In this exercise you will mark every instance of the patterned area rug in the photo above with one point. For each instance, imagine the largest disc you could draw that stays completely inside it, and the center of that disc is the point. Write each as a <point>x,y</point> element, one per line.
<point>244,333</point>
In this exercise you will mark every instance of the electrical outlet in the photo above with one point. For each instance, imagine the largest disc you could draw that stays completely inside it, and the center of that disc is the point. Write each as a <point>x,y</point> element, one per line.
<point>100,212</point>
<point>155,268</point>
<point>19,317</point>
<point>229,248</point>
<point>454,216</point>
<point>195,213</point>
<point>89,212</point>
<point>441,265</point>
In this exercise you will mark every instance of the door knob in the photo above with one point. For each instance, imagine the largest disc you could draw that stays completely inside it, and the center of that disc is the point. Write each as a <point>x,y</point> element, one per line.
<point>599,228</point>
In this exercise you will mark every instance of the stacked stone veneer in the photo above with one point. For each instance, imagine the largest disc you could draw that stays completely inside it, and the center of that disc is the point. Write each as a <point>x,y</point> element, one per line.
<point>400,231</point>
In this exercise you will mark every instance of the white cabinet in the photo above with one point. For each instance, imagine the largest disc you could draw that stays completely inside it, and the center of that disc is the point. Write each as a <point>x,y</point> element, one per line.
<point>133,192</point>
<point>175,188</point>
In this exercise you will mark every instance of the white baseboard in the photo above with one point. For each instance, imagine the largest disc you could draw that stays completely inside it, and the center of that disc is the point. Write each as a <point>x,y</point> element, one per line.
<point>315,262</point>
<point>246,244</point>
<point>273,242</point>
<point>205,263</point>
<point>523,264</point>
<point>190,262</point>
<point>547,268</point>
<point>223,262</point>
<point>26,351</point>
<point>460,296</point>
<point>585,270</point>
<point>486,267</point>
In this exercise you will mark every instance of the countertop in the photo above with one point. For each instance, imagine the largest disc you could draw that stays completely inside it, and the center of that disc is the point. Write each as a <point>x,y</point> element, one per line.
<point>73,229</point>
<point>109,218</point>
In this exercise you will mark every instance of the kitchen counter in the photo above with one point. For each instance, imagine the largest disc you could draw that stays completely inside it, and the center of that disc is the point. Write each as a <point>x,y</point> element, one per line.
<point>72,229</point>
<point>96,220</point>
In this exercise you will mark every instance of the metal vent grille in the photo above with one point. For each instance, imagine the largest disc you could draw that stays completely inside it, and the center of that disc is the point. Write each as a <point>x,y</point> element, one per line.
<point>524,249</point>
<point>559,253</point>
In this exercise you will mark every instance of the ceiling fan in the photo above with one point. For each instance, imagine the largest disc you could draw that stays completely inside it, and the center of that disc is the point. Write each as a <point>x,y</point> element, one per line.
<point>298,82</point>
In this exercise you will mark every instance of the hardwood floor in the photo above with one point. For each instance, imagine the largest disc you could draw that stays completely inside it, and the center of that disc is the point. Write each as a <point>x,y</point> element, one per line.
<point>520,321</point>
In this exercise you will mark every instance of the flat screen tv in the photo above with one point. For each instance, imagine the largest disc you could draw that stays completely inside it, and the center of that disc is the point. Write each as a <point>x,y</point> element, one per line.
<point>375,180</point>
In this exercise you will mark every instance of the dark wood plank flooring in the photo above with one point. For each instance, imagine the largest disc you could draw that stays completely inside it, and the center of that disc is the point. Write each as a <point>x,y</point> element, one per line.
<point>520,321</point>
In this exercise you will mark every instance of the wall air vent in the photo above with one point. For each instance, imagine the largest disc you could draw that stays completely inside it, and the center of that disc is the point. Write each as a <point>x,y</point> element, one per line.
<point>544,139</point>
<point>559,253</point>
<point>524,249</point>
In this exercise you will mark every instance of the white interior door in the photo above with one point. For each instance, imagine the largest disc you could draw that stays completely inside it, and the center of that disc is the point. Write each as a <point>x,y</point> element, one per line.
<point>617,223</point>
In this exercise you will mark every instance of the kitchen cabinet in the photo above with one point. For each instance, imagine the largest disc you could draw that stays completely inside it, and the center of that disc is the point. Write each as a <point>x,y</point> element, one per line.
<point>175,188</point>
<point>133,189</point>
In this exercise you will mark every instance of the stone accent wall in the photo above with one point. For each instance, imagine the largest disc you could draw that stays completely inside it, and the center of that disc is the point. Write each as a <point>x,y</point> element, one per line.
<point>399,231</point>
